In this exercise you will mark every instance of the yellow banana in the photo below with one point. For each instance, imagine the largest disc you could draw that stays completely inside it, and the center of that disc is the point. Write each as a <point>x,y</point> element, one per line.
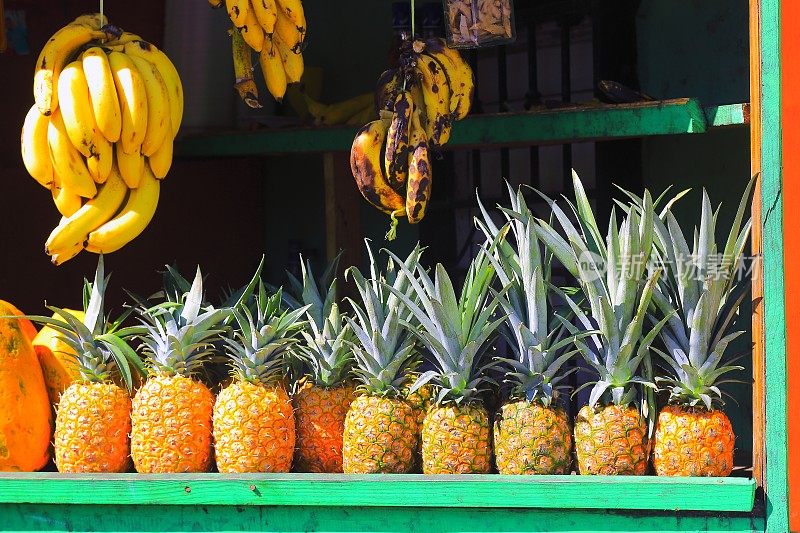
<point>386,89</point>
<point>99,210</point>
<point>293,9</point>
<point>252,33</point>
<point>54,56</point>
<point>462,81</point>
<point>397,141</point>
<point>168,73</point>
<point>418,188</point>
<point>101,161</point>
<point>102,93</point>
<point>244,83</point>
<point>65,201</point>
<point>436,96</point>
<point>76,108</point>
<point>288,33</point>
<point>123,39</point>
<point>132,219</point>
<point>266,13</point>
<point>216,4</point>
<point>35,151</point>
<point>65,255</point>
<point>158,115</point>
<point>92,20</point>
<point>292,63</point>
<point>362,117</point>
<point>132,100</point>
<point>419,101</point>
<point>340,112</point>
<point>272,68</point>
<point>131,166</point>
<point>365,162</point>
<point>161,160</point>
<point>237,11</point>
<point>67,161</point>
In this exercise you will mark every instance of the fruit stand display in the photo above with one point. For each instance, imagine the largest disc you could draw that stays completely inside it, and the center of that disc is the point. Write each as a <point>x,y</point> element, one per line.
<point>416,399</point>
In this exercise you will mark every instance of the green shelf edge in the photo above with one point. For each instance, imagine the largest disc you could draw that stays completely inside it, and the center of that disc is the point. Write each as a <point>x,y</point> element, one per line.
<point>573,124</point>
<point>478,491</point>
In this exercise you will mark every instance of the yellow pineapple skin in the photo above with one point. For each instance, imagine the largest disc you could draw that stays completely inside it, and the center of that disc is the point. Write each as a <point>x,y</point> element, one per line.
<point>530,438</point>
<point>93,422</point>
<point>254,429</point>
<point>420,401</point>
<point>171,426</point>
<point>456,440</point>
<point>320,427</point>
<point>380,436</point>
<point>611,440</point>
<point>692,441</point>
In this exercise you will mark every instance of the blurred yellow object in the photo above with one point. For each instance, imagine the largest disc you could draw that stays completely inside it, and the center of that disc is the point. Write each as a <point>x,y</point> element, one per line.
<point>56,358</point>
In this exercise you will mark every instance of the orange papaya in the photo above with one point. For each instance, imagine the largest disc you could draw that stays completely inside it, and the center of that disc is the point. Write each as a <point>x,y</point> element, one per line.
<point>57,359</point>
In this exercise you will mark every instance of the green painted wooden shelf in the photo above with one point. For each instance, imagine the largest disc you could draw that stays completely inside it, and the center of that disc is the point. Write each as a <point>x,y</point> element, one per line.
<point>480,491</point>
<point>576,123</point>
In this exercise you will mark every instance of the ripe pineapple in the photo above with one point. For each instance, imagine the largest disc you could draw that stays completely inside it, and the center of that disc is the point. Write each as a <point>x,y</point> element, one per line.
<point>700,296</point>
<point>254,425</point>
<point>325,395</point>
<point>171,412</point>
<point>93,415</point>
<point>381,431</point>
<point>455,432</point>
<point>610,433</point>
<point>532,433</point>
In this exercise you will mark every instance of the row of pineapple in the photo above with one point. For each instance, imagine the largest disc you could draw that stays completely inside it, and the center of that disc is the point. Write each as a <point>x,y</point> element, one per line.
<point>403,378</point>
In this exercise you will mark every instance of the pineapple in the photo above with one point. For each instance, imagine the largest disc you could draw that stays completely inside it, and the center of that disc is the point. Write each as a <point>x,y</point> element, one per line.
<point>171,412</point>
<point>93,415</point>
<point>532,433</point>
<point>457,332</point>
<point>611,433</point>
<point>324,397</point>
<point>254,425</point>
<point>381,432</point>
<point>700,296</point>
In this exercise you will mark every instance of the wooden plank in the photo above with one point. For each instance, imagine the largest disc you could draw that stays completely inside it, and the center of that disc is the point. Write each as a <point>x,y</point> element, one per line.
<point>343,231</point>
<point>772,214</point>
<point>757,294</point>
<point>31,518</point>
<point>721,116</point>
<point>570,124</point>
<point>547,492</point>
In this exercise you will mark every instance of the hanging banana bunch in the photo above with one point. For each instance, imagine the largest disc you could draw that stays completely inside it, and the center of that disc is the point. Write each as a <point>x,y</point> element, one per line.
<point>276,31</point>
<point>418,103</point>
<point>108,105</point>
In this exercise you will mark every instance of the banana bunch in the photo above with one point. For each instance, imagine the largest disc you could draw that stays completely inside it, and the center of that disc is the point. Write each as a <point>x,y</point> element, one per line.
<point>108,105</point>
<point>276,31</point>
<point>351,112</point>
<point>418,103</point>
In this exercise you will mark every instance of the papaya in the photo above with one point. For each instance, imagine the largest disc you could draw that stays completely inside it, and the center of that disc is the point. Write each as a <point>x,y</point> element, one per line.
<point>25,414</point>
<point>57,359</point>
<point>27,327</point>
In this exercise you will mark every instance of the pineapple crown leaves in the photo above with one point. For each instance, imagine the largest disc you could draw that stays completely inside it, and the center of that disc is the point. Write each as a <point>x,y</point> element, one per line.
<point>700,297</point>
<point>180,332</point>
<point>612,274</point>
<point>539,345</point>
<point>307,291</point>
<point>456,331</point>
<point>101,346</point>
<point>385,350</point>
<point>327,350</point>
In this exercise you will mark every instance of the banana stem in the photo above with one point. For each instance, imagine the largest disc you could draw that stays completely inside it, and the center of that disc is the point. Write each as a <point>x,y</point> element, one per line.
<point>392,233</point>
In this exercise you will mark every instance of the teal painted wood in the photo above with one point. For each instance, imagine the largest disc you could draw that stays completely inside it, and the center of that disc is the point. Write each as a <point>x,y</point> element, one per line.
<point>559,492</point>
<point>719,116</point>
<point>542,127</point>
<point>31,518</point>
<point>774,310</point>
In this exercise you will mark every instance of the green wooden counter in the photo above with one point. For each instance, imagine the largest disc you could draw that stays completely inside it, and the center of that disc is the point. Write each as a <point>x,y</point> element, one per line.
<point>314,502</point>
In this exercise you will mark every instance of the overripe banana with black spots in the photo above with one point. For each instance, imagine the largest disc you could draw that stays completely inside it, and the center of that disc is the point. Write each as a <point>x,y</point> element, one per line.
<point>99,210</point>
<point>252,32</point>
<point>67,161</point>
<point>365,162</point>
<point>76,108</point>
<point>419,101</point>
<point>169,75</point>
<point>216,4</point>
<point>418,188</point>
<point>397,141</point>
<point>459,74</point>
<point>159,124</point>
<point>340,112</point>
<point>237,11</point>
<point>35,151</point>
<point>130,166</point>
<point>386,89</point>
<point>244,83</point>
<point>266,12</point>
<point>102,93</point>
<point>133,218</point>
<point>293,9</point>
<point>436,95</point>
<point>292,63</point>
<point>132,99</point>
<point>288,33</point>
<point>54,56</point>
<point>272,68</point>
